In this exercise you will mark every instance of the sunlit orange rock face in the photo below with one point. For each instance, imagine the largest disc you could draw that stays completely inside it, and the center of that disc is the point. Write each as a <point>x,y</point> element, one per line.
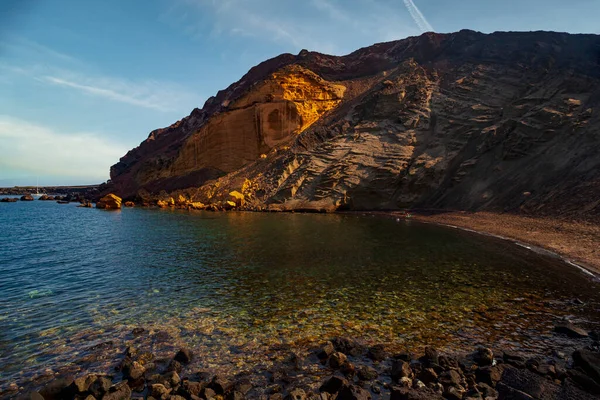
<point>283,105</point>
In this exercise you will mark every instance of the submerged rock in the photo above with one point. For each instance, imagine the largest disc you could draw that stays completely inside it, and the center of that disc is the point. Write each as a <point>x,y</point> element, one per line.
<point>567,328</point>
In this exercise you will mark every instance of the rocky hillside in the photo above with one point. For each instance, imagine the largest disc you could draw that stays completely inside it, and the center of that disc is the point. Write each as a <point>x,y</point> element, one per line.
<point>499,122</point>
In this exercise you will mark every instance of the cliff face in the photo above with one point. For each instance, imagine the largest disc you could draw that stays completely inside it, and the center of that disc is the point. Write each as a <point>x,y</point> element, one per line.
<point>503,122</point>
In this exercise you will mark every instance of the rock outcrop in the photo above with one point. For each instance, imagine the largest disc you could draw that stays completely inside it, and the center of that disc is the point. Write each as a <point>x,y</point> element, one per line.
<point>109,202</point>
<point>499,122</point>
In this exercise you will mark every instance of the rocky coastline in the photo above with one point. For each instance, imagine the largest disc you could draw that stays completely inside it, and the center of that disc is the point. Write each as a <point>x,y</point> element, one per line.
<point>343,369</point>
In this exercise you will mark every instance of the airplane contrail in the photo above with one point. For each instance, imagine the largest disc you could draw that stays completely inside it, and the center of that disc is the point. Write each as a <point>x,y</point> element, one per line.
<point>418,17</point>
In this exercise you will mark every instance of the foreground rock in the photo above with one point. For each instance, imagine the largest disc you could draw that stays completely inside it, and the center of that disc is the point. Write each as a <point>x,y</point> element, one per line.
<point>109,202</point>
<point>481,375</point>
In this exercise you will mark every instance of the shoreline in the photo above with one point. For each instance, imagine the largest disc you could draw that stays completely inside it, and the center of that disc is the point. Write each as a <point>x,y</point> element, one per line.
<point>576,243</point>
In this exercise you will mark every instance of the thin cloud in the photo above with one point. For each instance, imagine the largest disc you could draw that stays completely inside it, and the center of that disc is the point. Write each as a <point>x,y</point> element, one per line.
<point>418,17</point>
<point>41,150</point>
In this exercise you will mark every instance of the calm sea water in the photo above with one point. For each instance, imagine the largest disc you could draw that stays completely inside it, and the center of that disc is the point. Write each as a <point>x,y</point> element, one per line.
<point>233,284</point>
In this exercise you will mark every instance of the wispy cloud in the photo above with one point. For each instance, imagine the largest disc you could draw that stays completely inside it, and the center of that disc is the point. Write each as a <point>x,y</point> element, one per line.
<point>43,151</point>
<point>418,17</point>
<point>150,94</point>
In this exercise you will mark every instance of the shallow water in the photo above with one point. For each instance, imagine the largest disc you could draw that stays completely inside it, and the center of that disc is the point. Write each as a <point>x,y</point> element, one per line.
<point>234,285</point>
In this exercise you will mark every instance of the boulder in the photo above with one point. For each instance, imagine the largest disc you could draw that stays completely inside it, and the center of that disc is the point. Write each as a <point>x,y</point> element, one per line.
<point>129,204</point>
<point>401,369</point>
<point>333,384</point>
<point>348,346</point>
<point>237,198</point>
<point>589,362</point>
<point>27,197</point>
<point>337,360</point>
<point>109,202</point>
<point>377,352</point>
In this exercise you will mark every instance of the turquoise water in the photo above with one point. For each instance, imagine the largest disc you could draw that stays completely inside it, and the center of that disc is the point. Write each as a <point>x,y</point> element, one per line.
<point>233,284</point>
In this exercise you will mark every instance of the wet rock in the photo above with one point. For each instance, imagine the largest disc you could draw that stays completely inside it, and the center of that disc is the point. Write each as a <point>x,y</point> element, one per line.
<point>483,356</point>
<point>172,378</point>
<point>326,351</point>
<point>337,360</point>
<point>192,388</point>
<point>348,369</point>
<point>333,384</point>
<point>129,204</point>
<point>184,356</point>
<point>507,392</point>
<point>448,362</point>
<point>176,366</point>
<point>567,328</point>
<point>296,394</point>
<point>377,352</point>
<point>431,356</point>
<point>546,369</point>
<point>428,375</point>
<point>60,388</point>
<point>405,382</point>
<point>83,383</point>
<point>100,386</point>
<point>487,391</point>
<point>208,393</point>
<point>589,362</point>
<point>119,391</point>
<point>401,369</point>
<point>220,385</point>
<point>451,378</point>
<point>159,391</point>
<point>489,375</point>
<point>348,346</point>
<point>9,200</point>
<point>404,356</point>
<point>366,373</point>
<point>133,370</point>
<point>353,392</point>
<point>27,197</point>
<point>527,382</point>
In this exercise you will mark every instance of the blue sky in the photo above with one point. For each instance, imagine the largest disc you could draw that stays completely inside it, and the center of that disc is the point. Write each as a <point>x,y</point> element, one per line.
<point>82,82</point>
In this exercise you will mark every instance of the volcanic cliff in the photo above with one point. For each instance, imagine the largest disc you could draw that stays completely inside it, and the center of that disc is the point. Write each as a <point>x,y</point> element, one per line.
<point>500,122</point>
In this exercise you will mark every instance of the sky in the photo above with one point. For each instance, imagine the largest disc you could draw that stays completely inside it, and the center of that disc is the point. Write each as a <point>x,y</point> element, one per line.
<point>82,82</point>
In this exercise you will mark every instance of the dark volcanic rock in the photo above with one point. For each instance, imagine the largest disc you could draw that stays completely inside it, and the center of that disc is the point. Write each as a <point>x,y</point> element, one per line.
<point>589,362</point>
<point>348,346</point>
<point>333,384</point>
<point>184,356</point>
<point>567,328</point>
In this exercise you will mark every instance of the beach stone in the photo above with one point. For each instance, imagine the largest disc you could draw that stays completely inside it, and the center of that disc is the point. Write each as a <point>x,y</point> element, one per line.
<point>326,351</point>
<point>133,370</point>
<point>487,391</point>
<point>431,356</point>
<point>337,359</point>
<point>220,385</point>
<point>451,378</point>
<point>192,388</point>
<point>348,346</point>
<point>428,375</point>
<point>366,373</point>
<point>348,369</point>
<point>296,394</point>
<point>83,383</point>
<point>453,393</point>
<point>567,328</point>
<point>401,369</point>
<point>405,382</point>
<point>176,366</point>
<point>208,393</point>
<point>100,386</point>
<point>353,392</point>
<point>377,352</point>
<point>172,378</point>
<point>159,391</point>
<point>333,384</point>
<point>490,375</point>
<point>589,362</point>
<point>119,391</point>
<point>483,356</point>
<point>184,356</point>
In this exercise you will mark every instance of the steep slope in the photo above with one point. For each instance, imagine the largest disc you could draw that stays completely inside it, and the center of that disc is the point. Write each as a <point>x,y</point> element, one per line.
<point>507,121</point>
